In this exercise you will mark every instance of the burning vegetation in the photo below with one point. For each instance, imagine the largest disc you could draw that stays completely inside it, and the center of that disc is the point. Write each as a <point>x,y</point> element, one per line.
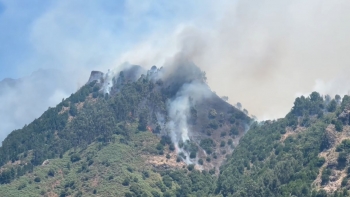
<point>180,105</point>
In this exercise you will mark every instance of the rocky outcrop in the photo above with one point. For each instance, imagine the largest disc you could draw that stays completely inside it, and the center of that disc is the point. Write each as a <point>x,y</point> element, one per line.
<point>95,76</point>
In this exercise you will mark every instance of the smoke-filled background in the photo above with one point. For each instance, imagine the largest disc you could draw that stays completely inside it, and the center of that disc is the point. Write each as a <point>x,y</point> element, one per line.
<point>260,53</point>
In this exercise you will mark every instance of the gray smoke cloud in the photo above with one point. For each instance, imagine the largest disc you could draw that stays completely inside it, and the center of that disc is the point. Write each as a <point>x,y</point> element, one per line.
<point>22,100</point>
<point>264,53</point>
<point>259,53</point>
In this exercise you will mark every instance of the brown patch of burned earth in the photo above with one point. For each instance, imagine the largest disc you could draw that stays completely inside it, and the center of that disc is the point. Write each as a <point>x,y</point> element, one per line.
<point>160,161</point>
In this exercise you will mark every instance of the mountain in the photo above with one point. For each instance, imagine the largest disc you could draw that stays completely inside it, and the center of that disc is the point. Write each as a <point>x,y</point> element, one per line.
<point>304,154</point>
<point>129,132</point>
<point>163,132</point>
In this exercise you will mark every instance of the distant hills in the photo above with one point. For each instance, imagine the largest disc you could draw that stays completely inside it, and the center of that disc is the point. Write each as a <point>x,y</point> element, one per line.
<point>22,100</point>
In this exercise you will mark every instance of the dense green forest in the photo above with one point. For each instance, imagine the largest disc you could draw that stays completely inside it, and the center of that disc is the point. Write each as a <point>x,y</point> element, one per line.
<point>265,165</point>
<point>104,144</point>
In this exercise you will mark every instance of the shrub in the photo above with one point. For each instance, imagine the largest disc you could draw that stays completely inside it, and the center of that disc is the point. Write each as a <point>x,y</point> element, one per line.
<point>155,193</point>
<point>37,179</point>
<point>208,159</point>
<point>171,147</point>
<point>338,126</point>
<point>129,169</point>
<point>190,167</point>
<point>193,155</point>
<point>126,181</point>
<point>51,172</point>
<point>223,134</point>
<point>213,124</point>
<point>167,180</point>
<point>234,131</point>
<point>200,161</point>
<point>74,158</point>
<point>207,145</point>
<point>222,144</point>
<point>21,186</point>
<point>320,161</point>
<point>178,159</point>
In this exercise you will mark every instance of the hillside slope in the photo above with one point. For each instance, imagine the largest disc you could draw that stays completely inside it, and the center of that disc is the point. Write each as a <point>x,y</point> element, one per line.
<point>123,127</point>
<point>304,154</point>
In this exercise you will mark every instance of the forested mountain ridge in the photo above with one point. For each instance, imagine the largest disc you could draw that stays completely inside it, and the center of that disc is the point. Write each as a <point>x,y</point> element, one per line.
<point>303,154</point>
<point>186,124</point>
<point>163,132</point>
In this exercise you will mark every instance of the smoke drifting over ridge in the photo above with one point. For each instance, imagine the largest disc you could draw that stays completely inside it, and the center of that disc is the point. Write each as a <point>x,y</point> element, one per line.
<point>265,53</point>
<point>27,98</point>
<point>259,53</point>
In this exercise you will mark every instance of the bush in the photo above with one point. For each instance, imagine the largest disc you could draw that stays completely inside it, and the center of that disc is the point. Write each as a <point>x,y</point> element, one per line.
<point>160,146</point>
<point>338,126</point>
<point>178,159</point>
<point>208,159</point>
<point>234,131</point>
<point>155,194</point>
<point>212,113</point>
<point>222,144</point>
<point>171,147</point>
<point>325,176</point>
<point>129,169</point>
<point>320,161</point>
<point>213,124</point>
<point>344,182</point>
<point>193,155</point>
<point>51,172</point>
<point>342,159</point>
<point>200,161</point>
<point>207,145</point>
<point>128,194</point>
<point>21,186</point>
<point>167,180</point>
<point>74,158</point>
<point>126,181</point>
<point>190,167</point>
<point>37,179</point>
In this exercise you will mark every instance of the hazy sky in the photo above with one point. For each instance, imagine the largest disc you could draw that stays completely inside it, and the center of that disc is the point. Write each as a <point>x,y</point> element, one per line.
<point>262,53</point>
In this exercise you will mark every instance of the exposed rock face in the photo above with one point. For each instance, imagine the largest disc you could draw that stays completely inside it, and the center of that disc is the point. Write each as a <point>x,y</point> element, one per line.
<point>46,162</point>
<point>95,76</point>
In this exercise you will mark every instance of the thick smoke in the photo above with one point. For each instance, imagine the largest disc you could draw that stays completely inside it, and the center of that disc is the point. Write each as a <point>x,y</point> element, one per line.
<point>260,53</point>
<point>190,88</point>
<point>264,53</point>
<point>23,100</point>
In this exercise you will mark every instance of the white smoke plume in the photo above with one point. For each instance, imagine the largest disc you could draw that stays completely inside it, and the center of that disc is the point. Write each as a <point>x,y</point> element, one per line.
<point>259,53</point>
<point>179,113</point>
